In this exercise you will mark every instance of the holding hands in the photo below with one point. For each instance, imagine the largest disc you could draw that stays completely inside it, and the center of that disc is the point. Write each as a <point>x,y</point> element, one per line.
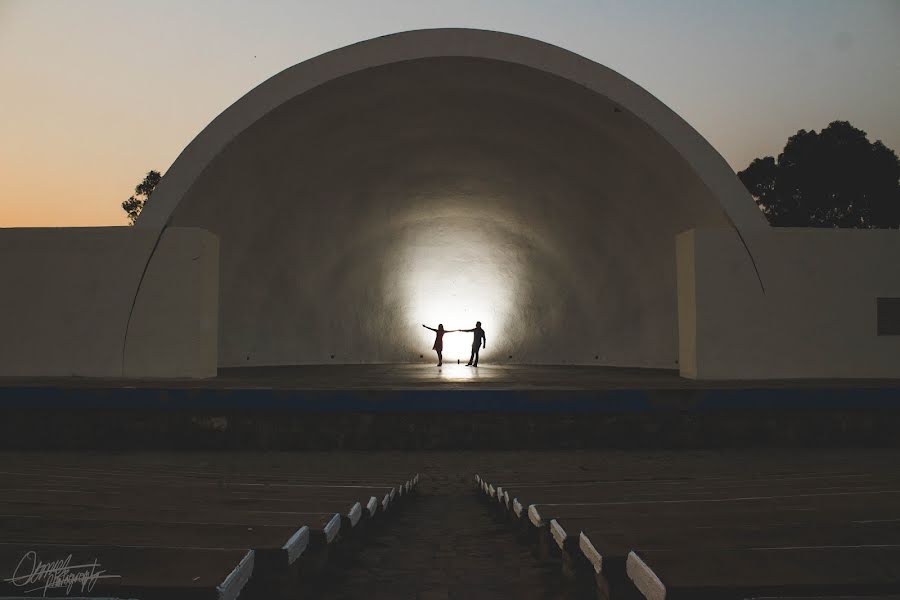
<point>479,341</point>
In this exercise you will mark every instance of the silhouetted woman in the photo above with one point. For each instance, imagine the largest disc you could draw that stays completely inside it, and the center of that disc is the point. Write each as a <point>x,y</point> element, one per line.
<point>439,340</point>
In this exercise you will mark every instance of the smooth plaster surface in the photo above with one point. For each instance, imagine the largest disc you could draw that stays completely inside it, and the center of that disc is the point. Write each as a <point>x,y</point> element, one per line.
<point>817,317</point>
<point>347,214</point>
<point>709,165</point>
<point>687,304</point>
<point>67,295</point>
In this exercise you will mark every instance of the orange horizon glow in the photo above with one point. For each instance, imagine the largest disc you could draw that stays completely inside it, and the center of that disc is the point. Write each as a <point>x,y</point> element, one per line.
<point>97,93</point>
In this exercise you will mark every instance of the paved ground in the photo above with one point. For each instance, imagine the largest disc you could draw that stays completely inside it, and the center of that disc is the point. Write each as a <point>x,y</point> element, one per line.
<point>449,377</point>
<point>446,545</point>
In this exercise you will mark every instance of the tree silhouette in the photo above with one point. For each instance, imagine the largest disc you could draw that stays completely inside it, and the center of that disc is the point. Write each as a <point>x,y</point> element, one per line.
<point>835,178</point>
<point>135,204</point>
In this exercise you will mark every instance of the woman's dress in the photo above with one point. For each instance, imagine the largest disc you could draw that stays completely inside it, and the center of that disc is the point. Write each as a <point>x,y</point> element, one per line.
<point>438,341</point>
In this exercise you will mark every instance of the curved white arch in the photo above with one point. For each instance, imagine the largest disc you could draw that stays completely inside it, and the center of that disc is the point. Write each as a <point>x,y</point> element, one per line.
<point>704,160</point>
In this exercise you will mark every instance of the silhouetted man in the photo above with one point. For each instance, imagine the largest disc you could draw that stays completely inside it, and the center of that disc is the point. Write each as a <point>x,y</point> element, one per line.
<point>478,341</point>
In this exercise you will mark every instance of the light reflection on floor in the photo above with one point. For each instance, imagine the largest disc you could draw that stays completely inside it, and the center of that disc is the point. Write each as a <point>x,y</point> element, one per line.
<point>455,372</point>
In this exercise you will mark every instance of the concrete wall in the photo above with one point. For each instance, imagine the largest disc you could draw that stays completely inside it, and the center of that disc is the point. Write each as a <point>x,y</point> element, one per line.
<point>67,294</point>
<point>817,317</point>
<point>687,304</point>
<point>449,190</point>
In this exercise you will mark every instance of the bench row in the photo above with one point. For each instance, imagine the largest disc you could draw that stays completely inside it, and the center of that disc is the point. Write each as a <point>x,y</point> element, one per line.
<point>171,535</point>
<point>809,533</point>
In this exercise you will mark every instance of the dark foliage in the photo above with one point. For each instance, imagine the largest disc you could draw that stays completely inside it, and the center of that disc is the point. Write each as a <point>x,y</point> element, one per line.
<point>135,204</point>
<point>835,178</point>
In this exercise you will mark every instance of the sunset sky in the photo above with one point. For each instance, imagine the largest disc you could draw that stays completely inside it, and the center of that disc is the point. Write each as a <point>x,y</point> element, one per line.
<point>93,94</point>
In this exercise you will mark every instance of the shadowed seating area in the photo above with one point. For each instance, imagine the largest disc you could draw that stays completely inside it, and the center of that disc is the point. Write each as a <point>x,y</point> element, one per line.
<point>710,527</point>
<point>190,526</point>
<point>620,525</point>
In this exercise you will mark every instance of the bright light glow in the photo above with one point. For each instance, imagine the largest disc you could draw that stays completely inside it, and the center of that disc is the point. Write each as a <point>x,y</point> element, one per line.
<point>455,372</point>
<point>456,274</point>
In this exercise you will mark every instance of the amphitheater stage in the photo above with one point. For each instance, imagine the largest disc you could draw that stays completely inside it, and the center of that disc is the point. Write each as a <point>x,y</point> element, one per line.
<point>417,406</point>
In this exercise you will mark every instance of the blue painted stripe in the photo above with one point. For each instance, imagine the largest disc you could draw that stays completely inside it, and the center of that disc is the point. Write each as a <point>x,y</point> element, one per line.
<point>447,401</point>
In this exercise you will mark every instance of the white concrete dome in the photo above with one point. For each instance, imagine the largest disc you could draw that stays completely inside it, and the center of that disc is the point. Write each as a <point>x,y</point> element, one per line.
<point>448,176</point>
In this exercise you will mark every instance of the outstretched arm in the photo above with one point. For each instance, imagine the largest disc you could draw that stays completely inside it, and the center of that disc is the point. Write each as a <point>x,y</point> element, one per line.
<point>427,327</point>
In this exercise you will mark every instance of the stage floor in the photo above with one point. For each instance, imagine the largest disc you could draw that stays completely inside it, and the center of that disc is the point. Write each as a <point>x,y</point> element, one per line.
<point>386,377</point>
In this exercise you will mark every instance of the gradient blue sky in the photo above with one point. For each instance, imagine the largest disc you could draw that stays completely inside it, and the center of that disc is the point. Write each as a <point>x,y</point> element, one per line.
<point>95,93</point>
